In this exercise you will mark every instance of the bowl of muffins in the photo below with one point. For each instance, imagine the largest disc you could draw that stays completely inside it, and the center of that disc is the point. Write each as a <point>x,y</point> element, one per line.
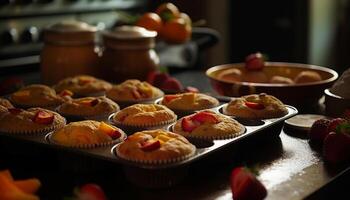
<point>293,83</point>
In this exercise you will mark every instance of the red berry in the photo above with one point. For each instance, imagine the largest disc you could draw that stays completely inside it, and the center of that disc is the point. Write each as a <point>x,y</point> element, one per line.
<point>43,117</point>
<point>188,124</point>
<point>191,89</point>
<point>245,186</point>
<point>172,84</point>
<point>91,191</point>
<point>169,97</point>
<point>159,79</point>
<point>336,147</point>
<point>332,127</point>
<point>203,117</point>
<point>319,130</point>
<point>150,145</point>
<point>255,61</point>
<point>255,106</point>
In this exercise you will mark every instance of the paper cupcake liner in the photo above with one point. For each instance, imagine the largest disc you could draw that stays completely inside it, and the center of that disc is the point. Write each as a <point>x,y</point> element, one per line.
<point>154,162</point>
<point>86,146</point>
<point>42,131</point>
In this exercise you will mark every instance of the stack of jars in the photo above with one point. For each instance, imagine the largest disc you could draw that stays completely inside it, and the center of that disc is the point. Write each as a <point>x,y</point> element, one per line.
<point>70,49</point>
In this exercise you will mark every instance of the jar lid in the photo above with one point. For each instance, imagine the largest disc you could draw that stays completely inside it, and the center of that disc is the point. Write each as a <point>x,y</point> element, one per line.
<point>70,33</point>
<point>129,37</point>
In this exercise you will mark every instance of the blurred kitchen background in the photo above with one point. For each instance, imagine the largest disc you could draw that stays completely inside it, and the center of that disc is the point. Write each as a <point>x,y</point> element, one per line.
<point>313,31</point>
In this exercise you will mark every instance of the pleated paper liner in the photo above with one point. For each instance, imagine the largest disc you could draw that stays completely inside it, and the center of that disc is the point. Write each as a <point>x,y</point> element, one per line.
<point>130,129</point>
<point>26,132</point>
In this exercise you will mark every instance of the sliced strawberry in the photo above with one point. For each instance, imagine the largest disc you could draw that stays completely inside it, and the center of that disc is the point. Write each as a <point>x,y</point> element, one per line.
<point>89,102</point>
<point>84,80</point>
<point>255,61</point>
<point>336,147</point>
<point>43,117</point>
<point>172,84</point>
<point>66,93</point>
<point>319,130</point>
<point>15,111</point>
<point>334,123</point>
<point>136,94</point>
<point>245,186</point>
<point>109,130</point>
<point>150,145</point>
<point>191,89</point>
<point>91,191</point>
<point>169,97</point>
<point>255,106</point>
<point>188,124</point>
<point>205,117</point>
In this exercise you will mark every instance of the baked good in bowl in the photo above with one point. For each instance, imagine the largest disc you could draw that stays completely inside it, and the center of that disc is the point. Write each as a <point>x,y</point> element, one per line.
<point>189,102</point>
<point>144,116</point>
<point>207,124</point>
<point>5,103</point>
<point>87,134</point>
<point>133,91</point>
<point>31,121</point>
<point>88,108</point>
<point>83,85</point>
<point>36,95</point>
<point>155,147</point>
<point>307,77</point>
<point>255,106</point>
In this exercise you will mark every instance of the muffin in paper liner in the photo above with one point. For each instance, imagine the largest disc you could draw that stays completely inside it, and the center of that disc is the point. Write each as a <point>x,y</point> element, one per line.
<point>143,116</point>
<point>155,147</point>
<point>85,129</point>
<point>22,122</point>
<point>208,125</point>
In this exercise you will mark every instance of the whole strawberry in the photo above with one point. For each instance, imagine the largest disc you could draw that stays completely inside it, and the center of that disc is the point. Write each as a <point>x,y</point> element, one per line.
<point>336,147</point>
<point>255,61</point>
<point>90,191</point>
<point>319,130</point>
<point>334,123</point>
<point>245,186</point>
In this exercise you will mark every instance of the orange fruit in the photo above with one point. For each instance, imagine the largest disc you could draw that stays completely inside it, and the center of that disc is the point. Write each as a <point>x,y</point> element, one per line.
<point>176,31</point>
<point>150,21</point>
<point>167,11</point>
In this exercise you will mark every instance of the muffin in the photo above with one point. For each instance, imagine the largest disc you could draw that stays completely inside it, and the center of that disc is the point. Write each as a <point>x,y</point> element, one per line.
<point>36,95</point>
<point>87,134</point>
<point>187,103</point>
<point>307,77</point>
<point>134,91</point>
<point>256,106</point>
<point>88,108</point>
<point>144,116</point>
<point>31,121</point>
<point>281,80</point>
<point>208,125</point>
<point>83,85</point>
<point>155,147</point>
<point>5,103</point>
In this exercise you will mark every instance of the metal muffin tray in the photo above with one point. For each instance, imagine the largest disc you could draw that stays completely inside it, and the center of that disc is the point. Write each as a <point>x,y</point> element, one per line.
<point>204,147</point>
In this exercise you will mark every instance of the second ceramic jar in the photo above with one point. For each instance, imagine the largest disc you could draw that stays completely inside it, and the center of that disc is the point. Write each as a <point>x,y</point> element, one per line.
<point>128,54</point>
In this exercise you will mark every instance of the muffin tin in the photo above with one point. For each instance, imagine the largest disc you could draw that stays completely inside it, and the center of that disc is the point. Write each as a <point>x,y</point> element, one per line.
<point>204,147</point>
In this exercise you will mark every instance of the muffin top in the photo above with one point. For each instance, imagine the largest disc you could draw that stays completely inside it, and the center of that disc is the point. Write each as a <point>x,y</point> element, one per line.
<point>133,90</point>
<point>83,85</point>
<point>36,95</point>
<point>208,125</point>
<point>86,132</point>
<point>5,103</point>
<point>88,106</point>
<point>155,146</point>
<point>256,106</point>
<point>33,120</point>
<point>144,114</point>
<point>189,101</point>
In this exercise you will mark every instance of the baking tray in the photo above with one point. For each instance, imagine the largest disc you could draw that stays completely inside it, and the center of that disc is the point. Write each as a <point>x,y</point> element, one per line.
<point>204,147</point>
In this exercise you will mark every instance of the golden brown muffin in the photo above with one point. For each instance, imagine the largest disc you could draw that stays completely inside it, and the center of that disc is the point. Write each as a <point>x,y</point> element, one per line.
<point>307,77</point>
<point>87,133</point>
<point>155,147</point>
<point>5,103</point>
<point>233,74</point>
<point>144,115</point>
<point>31,121</point>
<point>88,107</point>
<point>281,80</point>
<point>83,85</point>
<point>36,95</point>
<point>134,90</point>
<point>189,101</point>
<point>256,106</point>
<point>208,125</point>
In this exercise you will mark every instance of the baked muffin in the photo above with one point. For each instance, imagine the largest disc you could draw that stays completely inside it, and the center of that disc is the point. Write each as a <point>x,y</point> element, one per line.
<point>88,108</point>
<point>256,106</point>
<point>281,80</point>
<point>189,102</point>
<point>31,121</point>
<point>36,95</point>
<point>87,134</point>
<point>143,116</point>
<point>5,103</point>
<point>83,85</point>
<point>134,91</point>
<point>208,125</point>
<point>307,77</point>
<point>155,147</point>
